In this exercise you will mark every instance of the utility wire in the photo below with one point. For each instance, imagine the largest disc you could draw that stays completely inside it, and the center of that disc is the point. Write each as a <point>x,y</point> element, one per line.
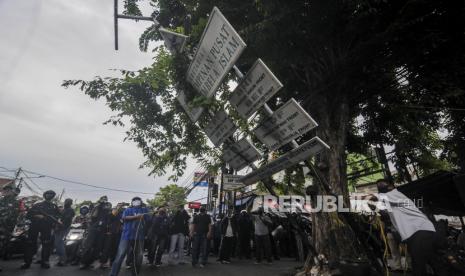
<point>85,184</point>
<point>8,171</point>
<point>186,182</point>
<point>30,179</point>
<point>5,175</point>
<point>30,188</point>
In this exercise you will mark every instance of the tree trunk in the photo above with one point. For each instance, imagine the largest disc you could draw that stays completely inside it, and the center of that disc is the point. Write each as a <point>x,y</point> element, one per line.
<point>332,236</point>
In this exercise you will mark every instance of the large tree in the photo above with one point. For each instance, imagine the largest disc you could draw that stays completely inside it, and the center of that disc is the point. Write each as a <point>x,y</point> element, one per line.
<point>371,73</point>
<point>171,196</point>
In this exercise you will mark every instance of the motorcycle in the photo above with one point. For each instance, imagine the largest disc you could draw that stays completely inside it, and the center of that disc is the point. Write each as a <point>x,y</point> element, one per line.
<point>74,242</point>
<point>18,239</point>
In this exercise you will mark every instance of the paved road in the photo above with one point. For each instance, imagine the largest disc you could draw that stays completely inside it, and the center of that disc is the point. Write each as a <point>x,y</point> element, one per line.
<point>284,267</point>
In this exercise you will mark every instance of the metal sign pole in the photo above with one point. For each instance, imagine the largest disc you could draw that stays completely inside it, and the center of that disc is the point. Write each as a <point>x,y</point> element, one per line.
<point>220,207</point>
<point>116,23</point>
<point>124,16</point>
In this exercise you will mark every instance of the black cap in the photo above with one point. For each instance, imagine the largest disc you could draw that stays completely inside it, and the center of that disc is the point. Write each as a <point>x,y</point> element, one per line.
<point>49,192</point>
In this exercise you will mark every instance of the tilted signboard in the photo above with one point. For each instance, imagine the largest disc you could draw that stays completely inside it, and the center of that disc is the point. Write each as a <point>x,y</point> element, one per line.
<point>193,112</point>
<point>220,128</point>
<point>303,152</point>
<point>287,123</point>
<point>232,182</point>
<point>257,87</point>
<point>174,42</point>
<point>219,48</point>
<point>241,154</point>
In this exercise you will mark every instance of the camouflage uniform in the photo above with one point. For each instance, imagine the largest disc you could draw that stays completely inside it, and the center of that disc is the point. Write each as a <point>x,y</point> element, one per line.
<point>9,211</point>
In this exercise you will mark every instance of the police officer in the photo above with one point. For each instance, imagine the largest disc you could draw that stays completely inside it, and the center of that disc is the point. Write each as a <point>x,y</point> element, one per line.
<point>93,246</point>
<point>44,216</point>
<point>9,210</point>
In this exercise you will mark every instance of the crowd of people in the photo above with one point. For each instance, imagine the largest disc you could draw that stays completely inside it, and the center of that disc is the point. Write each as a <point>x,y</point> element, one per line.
<point>126,232</point>
<point>122,234</point>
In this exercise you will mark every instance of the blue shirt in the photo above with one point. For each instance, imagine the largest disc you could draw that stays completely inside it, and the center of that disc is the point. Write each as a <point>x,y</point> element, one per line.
<point>131,227</point>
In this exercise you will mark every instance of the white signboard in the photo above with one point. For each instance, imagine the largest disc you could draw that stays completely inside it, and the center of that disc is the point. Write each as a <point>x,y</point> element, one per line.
<point>257,87</point>
<point>303,152</point>
<point>174,42</point>
<point>220,47</point>
<point>232,182</point>
<point>193,113</point>
<point>241,154</point>
<point>287,123</point>
<point>220,128</point>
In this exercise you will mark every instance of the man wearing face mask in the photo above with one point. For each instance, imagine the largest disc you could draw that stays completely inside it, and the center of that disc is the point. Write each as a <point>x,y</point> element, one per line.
<point>93,245</point>
<point>413,226</point>
<point>44,216</point>
<point>62,230</point>
<point>132,237</point>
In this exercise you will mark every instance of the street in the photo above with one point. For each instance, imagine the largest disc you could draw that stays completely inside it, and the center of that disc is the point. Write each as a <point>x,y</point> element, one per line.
<point>282,267</point>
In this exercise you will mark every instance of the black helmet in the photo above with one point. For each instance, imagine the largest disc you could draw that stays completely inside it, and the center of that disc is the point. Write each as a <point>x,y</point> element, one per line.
<point>103,199</point>
<point>49,192</point>
<point>108,205</point>
<point>68,202</point>
<point>84,210</point>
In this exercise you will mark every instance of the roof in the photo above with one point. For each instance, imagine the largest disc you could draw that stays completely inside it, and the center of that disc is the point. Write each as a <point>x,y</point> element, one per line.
<point>442,192</point>
<point>4,181</point>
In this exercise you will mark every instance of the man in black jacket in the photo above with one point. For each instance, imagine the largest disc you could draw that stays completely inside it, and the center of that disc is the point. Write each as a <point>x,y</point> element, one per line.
<point>245,233</point>
<point>113,236</point>
<point>44,216</point>
<point>93,245</point>
<point>200,232</point>
<point>179,230</point>
<point>228,234</point>
<point>159,233</point>
<point>62,230</point>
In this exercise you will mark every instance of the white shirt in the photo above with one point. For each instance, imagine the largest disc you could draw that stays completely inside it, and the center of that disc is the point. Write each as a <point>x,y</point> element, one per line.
<point>405,216</point>
<point>229,231</point>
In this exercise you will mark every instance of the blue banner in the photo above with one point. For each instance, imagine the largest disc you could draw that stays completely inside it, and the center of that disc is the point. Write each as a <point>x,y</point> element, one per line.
<point>201,184</point>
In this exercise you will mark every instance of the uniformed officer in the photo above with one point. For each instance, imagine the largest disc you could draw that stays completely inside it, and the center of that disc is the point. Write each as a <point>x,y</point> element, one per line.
<point>44,216</point>
<point>9,210</point>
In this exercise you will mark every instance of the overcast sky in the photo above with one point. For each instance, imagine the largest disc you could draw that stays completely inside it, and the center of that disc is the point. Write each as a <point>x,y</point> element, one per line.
<point>48,129</point>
